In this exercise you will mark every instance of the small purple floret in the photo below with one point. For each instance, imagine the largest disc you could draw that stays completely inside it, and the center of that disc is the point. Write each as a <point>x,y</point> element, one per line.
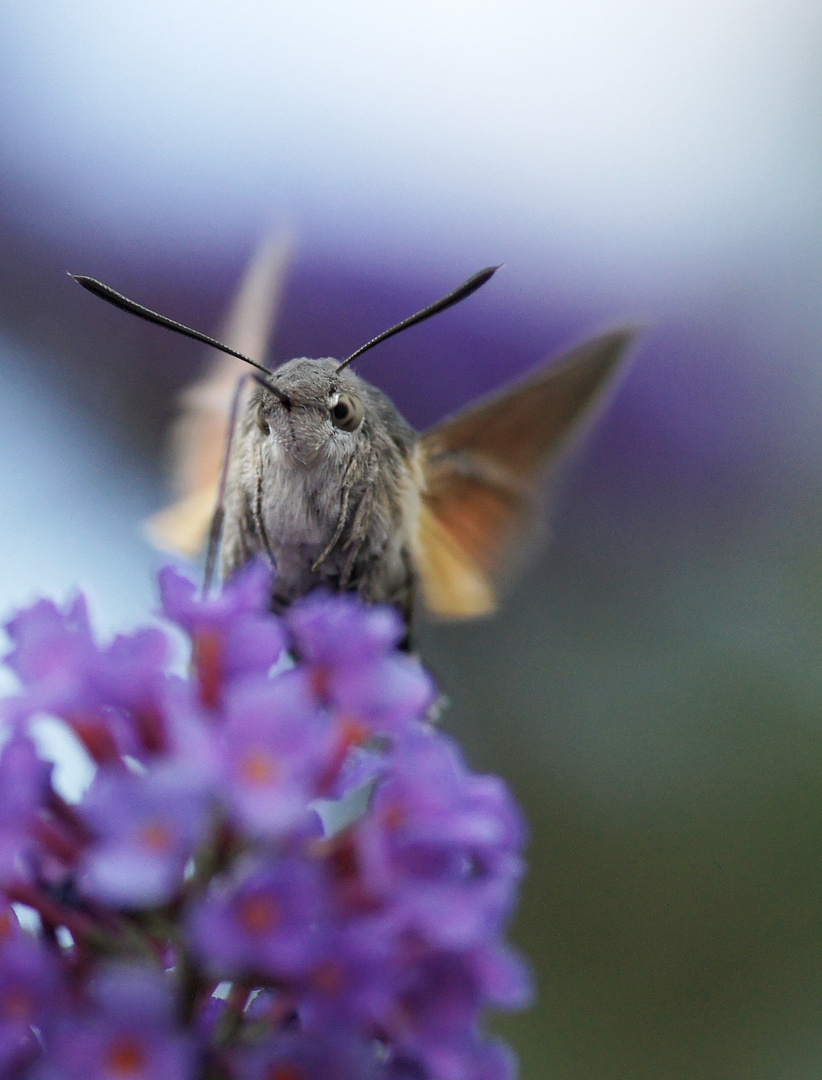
<point>144,827</point>
<point>232,633</point>
<point>123,1029</point>
<point>349,652</point>
<point>267,921</point>
<point>276,747</point>
<point>31,993</point>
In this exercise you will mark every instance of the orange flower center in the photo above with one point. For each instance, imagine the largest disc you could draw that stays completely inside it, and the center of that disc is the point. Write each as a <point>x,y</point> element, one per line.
<point>16,1004</point>
<point>285,1072</point>
<point>352,732</point>
<point>259,914</point>
<point>156,836</point>
<point>259,767</point>
<point>393,816</point>
<point>328,979</point>
<point>126,1057</point>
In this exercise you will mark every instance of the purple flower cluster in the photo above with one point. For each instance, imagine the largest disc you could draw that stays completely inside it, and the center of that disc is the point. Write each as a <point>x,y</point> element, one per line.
<point>280,870</point>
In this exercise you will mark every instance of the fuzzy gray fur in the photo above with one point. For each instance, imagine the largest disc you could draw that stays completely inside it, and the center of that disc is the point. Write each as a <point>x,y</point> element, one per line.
<point>328,507</point>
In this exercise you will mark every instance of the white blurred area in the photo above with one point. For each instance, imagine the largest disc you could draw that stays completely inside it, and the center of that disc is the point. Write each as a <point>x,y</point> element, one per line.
<point>645,145</point>
<point>72,507</point>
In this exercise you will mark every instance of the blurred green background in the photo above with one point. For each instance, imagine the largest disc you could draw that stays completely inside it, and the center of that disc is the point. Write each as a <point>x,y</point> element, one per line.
<point>651,689</point>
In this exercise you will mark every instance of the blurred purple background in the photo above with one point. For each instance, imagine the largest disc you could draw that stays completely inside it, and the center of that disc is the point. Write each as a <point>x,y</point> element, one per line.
<point>652,689</point>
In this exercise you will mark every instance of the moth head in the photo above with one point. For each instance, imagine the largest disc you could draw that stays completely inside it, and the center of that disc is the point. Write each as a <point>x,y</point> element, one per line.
<point>330,417</point>
<point>310,407</point>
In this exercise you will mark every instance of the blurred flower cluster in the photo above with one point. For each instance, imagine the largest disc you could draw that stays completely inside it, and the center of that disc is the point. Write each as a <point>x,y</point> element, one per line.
<point>280,870</point>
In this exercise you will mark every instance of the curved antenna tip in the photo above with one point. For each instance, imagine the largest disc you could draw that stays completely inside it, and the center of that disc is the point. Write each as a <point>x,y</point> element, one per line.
<point>473,283</point>
<point>105,292</point>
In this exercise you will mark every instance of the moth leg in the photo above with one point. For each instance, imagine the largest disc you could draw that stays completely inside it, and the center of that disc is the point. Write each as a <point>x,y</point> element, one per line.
<point>358,534</point>
<point>332,543</point>
<point>215,532</point>
<point>406,602</point>
<point>258,510</point>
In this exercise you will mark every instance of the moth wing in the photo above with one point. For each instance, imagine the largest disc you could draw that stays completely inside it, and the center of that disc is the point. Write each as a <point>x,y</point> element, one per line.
<point>199,435</point>
<point>484,468</point>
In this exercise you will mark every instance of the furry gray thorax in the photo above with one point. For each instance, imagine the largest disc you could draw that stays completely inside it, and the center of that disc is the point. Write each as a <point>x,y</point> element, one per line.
<point>328,506</point>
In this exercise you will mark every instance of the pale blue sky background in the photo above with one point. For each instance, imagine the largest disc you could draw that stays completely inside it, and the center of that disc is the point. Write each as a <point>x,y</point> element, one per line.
<point>638,140</point>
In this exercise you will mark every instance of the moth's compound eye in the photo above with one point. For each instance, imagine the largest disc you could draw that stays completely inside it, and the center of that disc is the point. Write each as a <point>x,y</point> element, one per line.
<point>262,420</point>
<point>347,414</point>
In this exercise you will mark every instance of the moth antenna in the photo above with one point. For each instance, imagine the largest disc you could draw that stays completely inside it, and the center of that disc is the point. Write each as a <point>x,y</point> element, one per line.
<point>471,285</point>
<point>105,292</point>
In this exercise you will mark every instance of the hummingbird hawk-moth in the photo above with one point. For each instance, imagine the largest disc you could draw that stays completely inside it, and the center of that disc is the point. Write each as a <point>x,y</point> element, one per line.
<point>324,477</point>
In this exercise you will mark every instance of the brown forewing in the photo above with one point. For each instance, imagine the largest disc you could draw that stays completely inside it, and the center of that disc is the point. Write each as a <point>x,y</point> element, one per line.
<point>484,468</point>
<point>200,434</point>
